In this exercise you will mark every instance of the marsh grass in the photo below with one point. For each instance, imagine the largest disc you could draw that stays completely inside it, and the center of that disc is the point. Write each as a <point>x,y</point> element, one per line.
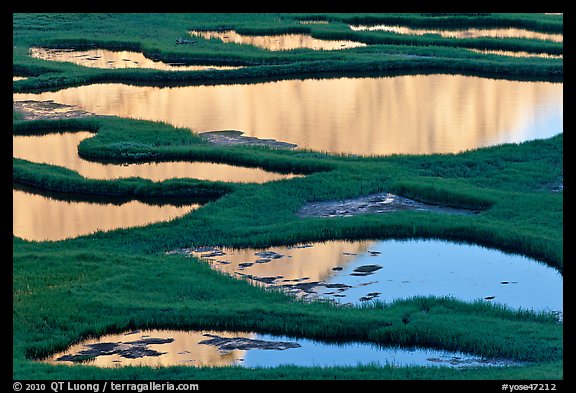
<point>113,281</point>
<point>427,54</point>
<point>537,22</point>
<point>480,179</point>
<point>124,275</point>
<point>81,283</point>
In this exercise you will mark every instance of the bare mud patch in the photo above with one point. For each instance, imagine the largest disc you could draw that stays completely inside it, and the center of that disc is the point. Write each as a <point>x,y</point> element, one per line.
<point>245,343</point>
<point>48,110</point>
<point>232,137</point>
<point>383,202</point>
<point>130,350</point>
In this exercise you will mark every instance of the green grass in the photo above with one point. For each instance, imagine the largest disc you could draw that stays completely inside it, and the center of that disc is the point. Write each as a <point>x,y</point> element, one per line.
<point>64,294</point>
<point>532,21</point>
<point>124,275</point>
<point>387,52</point>
<point>16,116</point>
<point>109,282</point>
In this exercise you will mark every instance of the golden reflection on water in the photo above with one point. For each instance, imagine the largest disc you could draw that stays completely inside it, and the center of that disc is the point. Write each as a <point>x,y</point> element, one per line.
<point>61,150</point>
<point>516,54</point>
<point>277,42</point>
<point>510,32</point>
<point>104,58</point>
<point>415,114</point>
<point>313,263</point>
<point>185,350</point>
<point>39,218</point>
<point>18,78</point>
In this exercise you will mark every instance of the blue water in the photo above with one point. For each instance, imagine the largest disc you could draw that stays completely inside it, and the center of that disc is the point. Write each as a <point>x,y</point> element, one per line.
<point>225,348</point>
<point>315,353</point>
<point>440,268</point>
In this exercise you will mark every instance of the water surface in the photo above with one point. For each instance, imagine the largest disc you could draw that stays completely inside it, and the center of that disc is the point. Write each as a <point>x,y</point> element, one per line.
<point>157,348</point>
<point>40,218</point>
<point>516,54</point>
<point>359,271</point>
<point>509,32</point>
<point>277,42</point>
<point>104,58</point>
<point>415,114</point>
<point>61,149</point>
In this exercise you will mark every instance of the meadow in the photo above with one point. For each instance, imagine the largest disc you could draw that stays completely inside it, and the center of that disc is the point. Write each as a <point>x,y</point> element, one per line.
<point>120,280</point>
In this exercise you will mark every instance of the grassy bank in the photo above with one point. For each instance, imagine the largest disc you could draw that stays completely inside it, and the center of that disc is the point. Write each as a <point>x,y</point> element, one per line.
<point>124,275</point>
<point>532,21</point>
<point>480,179</point>
<point>63,293</point>
<point>387,52</point>
<point>122,280</point>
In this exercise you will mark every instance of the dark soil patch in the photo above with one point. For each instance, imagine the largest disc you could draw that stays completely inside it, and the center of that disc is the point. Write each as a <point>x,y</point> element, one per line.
<point>244,344</point>
<point>367,268</point>
<point>40,110</point>
<point>269,255</point>
<point>130,350</point>
<point>383,202</point>
<point>231,138</point>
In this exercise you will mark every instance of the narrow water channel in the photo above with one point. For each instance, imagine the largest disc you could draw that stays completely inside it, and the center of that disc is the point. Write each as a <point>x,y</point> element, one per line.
<point>509,32</point>
<point>277,42</point>
<point>414,114</point>
<point>38,217</point>
<point>61,149</point>
<point>516,54</point>
<point>105,58</point>
<point>158,348</point>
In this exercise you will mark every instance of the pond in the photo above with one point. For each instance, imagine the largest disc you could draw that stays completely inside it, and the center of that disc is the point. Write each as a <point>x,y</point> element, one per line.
<point>277,42</point>
<point>163,348</point>
<point>61,149</point>
<point>104,58</point>
<point>357,272</point>
<point>39,218</point>
<point>414,114</point>
<point>509,32</point>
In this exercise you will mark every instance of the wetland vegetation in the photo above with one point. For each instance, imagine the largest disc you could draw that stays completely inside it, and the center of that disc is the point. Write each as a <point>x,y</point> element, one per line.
<point>110,282</point>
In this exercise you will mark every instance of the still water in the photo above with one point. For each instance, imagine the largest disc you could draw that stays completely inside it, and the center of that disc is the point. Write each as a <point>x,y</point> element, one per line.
<point>414,114</point>
<point>277,42</point>
<point>104,58</point>
<point>359,271</point>
<point>159,348</point>
<point>61,149</point>
<point>515,54</point>
<point>509,32</point>
<point>39,218</point>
